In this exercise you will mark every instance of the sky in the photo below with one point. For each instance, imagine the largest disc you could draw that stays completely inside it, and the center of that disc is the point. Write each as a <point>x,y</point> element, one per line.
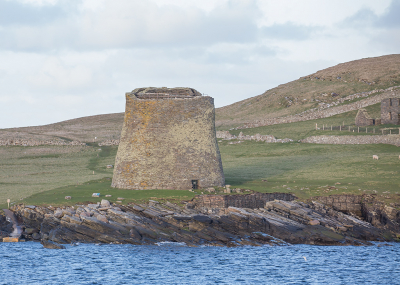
<point>64,59</point>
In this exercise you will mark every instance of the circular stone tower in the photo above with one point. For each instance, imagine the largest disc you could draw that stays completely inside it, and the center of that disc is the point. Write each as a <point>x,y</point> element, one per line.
<point>168,141</point>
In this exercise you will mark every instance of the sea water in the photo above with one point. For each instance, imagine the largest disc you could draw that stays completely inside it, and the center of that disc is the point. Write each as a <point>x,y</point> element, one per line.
<point>168,263</point>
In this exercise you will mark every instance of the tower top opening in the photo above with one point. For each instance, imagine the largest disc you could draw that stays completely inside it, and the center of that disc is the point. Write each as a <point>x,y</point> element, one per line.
<point>164,93</point>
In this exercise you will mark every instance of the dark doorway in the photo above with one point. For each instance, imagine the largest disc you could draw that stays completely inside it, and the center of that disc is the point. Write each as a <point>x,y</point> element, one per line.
<point>195,184</point>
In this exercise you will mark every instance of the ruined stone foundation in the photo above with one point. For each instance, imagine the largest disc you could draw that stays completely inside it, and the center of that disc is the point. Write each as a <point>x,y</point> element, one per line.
<point>168,141</point>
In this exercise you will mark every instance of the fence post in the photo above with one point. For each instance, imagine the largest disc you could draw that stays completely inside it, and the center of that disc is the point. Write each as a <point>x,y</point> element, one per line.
<point>340,128</point>
<point>390,131</point>
<point>343,123</point>
<point>358,129</point>
<point>382,132</point>
<point>349,128</point>
<point>316,126</point>
<point>323,127</point>
<point>366,130</point>
<point>331,129</point>
<point>374,130</point>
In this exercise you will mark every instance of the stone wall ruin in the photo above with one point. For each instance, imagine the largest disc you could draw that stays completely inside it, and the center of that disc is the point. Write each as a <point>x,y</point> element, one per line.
<point>390,111</point>
<point>364,119</point>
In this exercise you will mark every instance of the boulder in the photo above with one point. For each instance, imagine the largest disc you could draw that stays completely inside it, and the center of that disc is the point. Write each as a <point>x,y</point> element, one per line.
<point>36,236</point>
<point>58,213</point>
<point>102,218</point>
<point>314,222</point>
<point>105,203</point>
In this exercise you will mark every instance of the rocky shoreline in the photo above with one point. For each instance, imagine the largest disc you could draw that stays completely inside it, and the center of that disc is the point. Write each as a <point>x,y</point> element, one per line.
<point>277,222</point>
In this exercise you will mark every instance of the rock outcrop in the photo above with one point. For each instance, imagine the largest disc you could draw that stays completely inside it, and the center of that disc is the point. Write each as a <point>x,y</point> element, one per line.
<point>277,222</point>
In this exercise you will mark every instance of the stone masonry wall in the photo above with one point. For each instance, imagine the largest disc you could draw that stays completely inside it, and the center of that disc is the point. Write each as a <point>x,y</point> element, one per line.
<point>387,139</point>
<point>22,142</point>
<point>343,203</point>
<point>363,118</point>
<point>390,109</point>
<point>252,201</point>
<point>167,143</point>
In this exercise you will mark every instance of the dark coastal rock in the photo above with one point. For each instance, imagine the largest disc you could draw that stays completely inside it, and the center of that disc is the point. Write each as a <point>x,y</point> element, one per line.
<point>52,245</point>
<point>278,222</point>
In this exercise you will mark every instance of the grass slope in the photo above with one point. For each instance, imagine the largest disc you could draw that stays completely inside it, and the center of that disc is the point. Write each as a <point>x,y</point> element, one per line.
<point>85,129</point>
<point>306,92</point>
<point>28,170</point>
<point>312,170</point>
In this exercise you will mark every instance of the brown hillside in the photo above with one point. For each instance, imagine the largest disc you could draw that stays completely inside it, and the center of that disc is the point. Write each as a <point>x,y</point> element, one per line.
<point>85,129</point>
<point>309,91</point>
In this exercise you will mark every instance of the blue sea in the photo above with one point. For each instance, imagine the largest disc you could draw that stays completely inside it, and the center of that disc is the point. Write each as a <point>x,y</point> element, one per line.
<point>167,263</point>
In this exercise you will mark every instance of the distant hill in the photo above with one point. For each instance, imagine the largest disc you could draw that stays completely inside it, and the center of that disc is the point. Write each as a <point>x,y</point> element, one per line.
<point>85,129</point>
<point>309,91</point>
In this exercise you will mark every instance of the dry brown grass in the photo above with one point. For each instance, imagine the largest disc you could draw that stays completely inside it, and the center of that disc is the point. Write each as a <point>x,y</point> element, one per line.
<point>85,129</point>
<point>306,92</point>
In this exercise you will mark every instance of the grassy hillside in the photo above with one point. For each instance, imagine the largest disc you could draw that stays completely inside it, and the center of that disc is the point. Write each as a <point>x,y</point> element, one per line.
<point>308,91</point>
<point>85,129</point>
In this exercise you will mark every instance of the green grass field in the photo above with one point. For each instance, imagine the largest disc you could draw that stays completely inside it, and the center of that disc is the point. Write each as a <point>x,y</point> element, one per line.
<point>312,170</point>
<point>82,194</point>
<point>46,174</point>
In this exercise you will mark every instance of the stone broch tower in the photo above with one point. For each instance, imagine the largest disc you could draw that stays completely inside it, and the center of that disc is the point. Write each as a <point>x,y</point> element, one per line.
<point>168,141</point>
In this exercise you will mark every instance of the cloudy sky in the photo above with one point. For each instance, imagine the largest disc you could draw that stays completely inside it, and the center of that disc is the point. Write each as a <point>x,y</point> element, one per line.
<point>63,59</point>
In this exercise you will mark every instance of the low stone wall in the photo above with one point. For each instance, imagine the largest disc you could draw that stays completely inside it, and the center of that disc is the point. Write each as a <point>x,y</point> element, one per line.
<point>387,139</point>
<point>19,142</point>
<point>226,135</point>
<point>343,203</point>
<point>326,110</point>
<point>252,201</point>
<point>109,143</point>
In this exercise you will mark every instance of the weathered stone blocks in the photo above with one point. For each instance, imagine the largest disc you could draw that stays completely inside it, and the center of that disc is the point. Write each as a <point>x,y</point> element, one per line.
<point>390,110</point>
<point>168,141</point>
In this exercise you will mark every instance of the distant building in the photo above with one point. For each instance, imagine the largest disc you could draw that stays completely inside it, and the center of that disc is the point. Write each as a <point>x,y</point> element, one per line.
<point>390,109</point>
<point>364,119</point>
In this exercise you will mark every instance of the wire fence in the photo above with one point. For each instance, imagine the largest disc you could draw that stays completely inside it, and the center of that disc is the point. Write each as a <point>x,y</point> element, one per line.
<point>355,129</point>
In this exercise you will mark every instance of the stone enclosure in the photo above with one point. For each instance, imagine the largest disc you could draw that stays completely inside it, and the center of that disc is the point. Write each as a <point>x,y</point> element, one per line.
<point>168,141</point>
